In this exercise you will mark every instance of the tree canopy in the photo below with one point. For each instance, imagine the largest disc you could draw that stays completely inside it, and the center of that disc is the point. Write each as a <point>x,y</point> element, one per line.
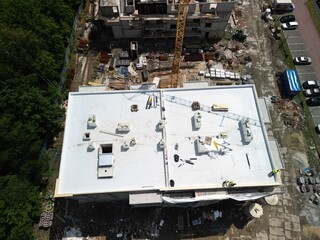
<point>33,39</point>
<point>19,207</point>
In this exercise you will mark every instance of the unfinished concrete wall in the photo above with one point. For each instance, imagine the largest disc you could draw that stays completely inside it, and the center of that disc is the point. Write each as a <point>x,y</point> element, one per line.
<point>204,20</point>
<point>173,8</point>
<point>117,32</point>
<point>129,6</point>
<point>126,30</point>
<point>109,11</point>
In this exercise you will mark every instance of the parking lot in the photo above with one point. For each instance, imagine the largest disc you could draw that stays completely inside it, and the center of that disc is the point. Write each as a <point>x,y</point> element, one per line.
<point>305,42</point>
<point>306,72</point>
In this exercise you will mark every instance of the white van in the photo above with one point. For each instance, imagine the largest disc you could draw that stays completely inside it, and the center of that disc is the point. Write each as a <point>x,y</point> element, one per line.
<point>282,6</point>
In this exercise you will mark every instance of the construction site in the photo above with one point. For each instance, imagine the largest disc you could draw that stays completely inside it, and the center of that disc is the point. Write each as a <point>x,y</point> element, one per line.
<point>120,62</point>
<point>176,128</point>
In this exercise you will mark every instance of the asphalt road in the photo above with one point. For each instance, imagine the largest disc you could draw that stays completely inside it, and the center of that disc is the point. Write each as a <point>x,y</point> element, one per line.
<point>309,34</point>
<point>305,41</point>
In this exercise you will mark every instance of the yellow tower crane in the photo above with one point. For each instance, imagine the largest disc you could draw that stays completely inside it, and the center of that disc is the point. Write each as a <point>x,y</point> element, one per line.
<point>181,22</point>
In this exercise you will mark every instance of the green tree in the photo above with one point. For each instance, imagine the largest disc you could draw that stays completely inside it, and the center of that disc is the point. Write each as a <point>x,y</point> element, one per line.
<point>33,38</point>
<point>19,207</point>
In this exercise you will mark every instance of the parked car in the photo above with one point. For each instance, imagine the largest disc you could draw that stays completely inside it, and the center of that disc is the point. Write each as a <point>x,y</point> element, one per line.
<point>311,180</point>
<point>311,84</point>
<point>289,26</point>
<point>314,199</point>
<point>301,171</point>
<point>308,188</point>
<point>317,128</point>
<point>312,92</point>
<point>287,18</point>
<point>301,180</point>
<point>308,172</point>
<point>302,60</point>
<point>303,188</point>
<point>313,102</point>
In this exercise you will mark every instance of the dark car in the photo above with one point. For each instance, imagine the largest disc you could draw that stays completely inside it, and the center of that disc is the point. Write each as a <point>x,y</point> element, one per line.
<point>311,180</point>
<point>311,84</point>
<point>312,92</point>
<point>314,199</point>
<point>312,102</point>
<point>308,188</point>
<point>287,18</point>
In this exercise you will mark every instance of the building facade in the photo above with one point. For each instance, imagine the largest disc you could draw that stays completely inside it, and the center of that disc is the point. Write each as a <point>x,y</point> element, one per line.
<point>156,19</point>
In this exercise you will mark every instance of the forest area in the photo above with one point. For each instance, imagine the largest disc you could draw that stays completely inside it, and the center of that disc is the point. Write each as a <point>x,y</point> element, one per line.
<point>33,40</point>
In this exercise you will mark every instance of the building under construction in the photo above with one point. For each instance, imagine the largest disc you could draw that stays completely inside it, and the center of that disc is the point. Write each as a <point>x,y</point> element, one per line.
<point>187,146</point>
<point>157,19</point>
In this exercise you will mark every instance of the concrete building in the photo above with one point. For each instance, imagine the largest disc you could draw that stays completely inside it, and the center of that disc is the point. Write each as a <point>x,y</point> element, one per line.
<point>166,146</point>
<point>156,19</point>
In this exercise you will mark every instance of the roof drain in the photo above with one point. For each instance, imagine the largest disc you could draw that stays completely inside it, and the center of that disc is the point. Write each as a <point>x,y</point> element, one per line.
<point>171,183</point>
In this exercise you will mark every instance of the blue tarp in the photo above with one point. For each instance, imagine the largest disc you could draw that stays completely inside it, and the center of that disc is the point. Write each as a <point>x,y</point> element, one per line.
<point>292,81</point>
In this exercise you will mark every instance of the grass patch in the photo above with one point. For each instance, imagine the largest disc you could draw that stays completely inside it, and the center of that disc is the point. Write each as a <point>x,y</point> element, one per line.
<point>314,15</point>
<point>285,48</point>
<point>312,138</point>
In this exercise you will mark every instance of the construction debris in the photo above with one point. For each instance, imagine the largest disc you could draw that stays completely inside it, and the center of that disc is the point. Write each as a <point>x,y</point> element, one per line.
<point>46,217</point>
<point>289,111</point>
<point>221,63</point>
<point>118,84</point>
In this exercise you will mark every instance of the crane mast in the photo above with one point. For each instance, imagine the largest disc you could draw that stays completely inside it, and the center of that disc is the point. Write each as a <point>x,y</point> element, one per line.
<point>181,22</point>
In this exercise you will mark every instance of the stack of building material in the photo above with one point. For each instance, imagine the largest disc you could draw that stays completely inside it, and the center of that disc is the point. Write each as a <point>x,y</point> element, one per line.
<point>118,84</point>
<point>46,219</point>
<point>221,73</point>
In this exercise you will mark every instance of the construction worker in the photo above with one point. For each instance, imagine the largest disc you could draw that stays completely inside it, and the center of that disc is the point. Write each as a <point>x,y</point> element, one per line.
<point>132,141</point>
<point>228,183</point>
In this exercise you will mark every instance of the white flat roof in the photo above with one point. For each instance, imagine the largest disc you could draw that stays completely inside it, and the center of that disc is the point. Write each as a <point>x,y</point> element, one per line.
<point>145,165</point>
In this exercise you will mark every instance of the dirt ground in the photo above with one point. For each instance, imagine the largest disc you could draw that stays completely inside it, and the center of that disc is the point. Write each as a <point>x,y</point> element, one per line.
<point>117,219</point>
